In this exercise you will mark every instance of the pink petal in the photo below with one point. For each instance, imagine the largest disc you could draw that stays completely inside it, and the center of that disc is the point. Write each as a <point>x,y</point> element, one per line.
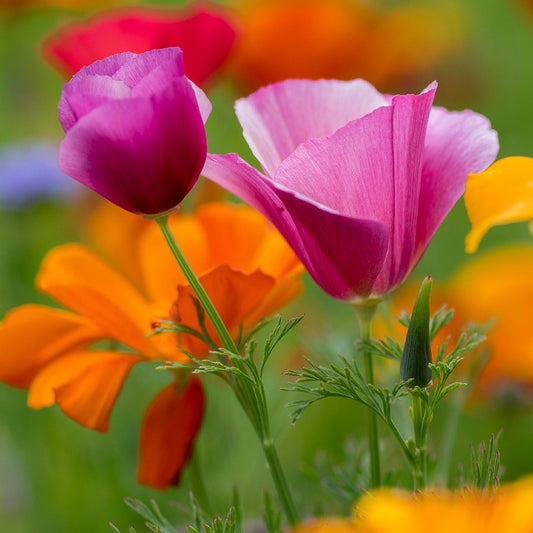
<point>141,65</point>
<point>343,254</point>
<point>142,154</point>
<point>277,118</point>
<point>370,169</point>
<point>457,144</point>
<point>82,95</point>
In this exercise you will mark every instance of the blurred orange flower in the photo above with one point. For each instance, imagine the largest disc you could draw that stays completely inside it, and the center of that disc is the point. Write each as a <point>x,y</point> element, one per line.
<point>495,289</point>
<point>248,271</point>
<point>340,39</point>
<point>508,509</point>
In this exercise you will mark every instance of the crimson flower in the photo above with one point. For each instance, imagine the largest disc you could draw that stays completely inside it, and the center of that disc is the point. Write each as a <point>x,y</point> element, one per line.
<point>204,35</point>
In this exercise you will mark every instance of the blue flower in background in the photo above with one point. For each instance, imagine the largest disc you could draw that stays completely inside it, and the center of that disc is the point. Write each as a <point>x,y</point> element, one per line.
<point>29,173</point>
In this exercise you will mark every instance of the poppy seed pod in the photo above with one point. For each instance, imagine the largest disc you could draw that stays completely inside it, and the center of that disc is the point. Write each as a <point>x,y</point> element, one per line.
<point>416,355</point>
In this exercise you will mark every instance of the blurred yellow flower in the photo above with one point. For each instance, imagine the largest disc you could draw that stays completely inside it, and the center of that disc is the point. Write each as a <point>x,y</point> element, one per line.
<point>500,195</point>
<point>507,509</point>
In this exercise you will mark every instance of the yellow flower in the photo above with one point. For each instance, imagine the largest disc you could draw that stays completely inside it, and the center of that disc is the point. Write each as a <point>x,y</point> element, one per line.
<point>500,195</point>
<point>507,509</point>
<point>248,271</point>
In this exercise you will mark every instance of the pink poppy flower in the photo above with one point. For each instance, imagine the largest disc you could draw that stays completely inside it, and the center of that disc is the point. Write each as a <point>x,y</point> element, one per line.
<point>134,130</point>
<point>356,182</point>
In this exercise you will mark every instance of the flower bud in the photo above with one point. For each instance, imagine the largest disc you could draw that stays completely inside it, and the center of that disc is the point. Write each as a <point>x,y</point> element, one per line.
<point>416,355</point>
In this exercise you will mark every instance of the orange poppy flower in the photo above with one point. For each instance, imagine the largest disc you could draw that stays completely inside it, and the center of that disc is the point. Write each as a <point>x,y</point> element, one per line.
<point>340,39</point>
<point>50,351</point>
<point>507,508</point>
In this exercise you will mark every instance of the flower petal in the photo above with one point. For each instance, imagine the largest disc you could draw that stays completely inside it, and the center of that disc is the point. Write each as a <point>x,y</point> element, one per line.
<point>342,254</point>
<point>33,335</point>
<point>457,143</point>
<point>500,195</point>
<point>373,168</point>
<point>142,154</point>
<point>235,295</point>
<point>79,280</point>
<point>277,118</point>
<point>84,384</point>
<point>168,430</point>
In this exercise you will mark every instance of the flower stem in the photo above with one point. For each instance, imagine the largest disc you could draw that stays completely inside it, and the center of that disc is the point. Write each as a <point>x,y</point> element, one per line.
<point>196,286</point>
<point>420,434</point>
<point>198,484</point>
<point>365,314</point>
<point>251,398</point>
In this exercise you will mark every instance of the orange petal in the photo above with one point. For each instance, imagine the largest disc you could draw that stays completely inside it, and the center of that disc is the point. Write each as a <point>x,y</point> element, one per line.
<point>161,273</point>
<point>33,335</point>
<point>85,385</point>
<point>78,279</point>
<point>234,232</point>
<point>500,195</point>
<point>235,295</point>
<point>115,233</point>
<point>168,430</point>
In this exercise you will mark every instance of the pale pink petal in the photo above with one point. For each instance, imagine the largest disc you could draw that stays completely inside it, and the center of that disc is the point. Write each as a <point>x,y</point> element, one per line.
<point>369,169</point>
<point>457,144</point>
<point>140,66</point>
<point>82,95</point>
<point>277,118</point>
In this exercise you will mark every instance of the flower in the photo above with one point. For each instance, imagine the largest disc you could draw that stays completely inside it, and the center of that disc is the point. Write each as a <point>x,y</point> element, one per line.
<point>205,36</point>
<point>51,351</point>
<point>340,39</point>
<point>134,130</point>
<point>507,508</point>
<point>500,195</point>
<point>356,182</point>
<point>29,172</point>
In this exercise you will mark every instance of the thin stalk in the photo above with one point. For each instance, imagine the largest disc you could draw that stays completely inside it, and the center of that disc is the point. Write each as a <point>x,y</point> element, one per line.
<point>198,484</point>
<point>252,399</point>
<point>365,314</point>
<point>196,286</point>
<point>420,434</point>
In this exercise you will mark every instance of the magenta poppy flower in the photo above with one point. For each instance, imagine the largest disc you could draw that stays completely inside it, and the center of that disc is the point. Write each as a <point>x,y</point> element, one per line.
<point>134,130</point>
<point>357,182</point>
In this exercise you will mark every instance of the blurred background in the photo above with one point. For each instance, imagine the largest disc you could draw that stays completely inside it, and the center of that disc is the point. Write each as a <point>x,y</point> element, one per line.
<point>57,476</point>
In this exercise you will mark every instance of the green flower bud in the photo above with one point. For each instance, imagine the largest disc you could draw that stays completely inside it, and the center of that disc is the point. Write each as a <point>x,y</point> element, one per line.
<point>416,355</point>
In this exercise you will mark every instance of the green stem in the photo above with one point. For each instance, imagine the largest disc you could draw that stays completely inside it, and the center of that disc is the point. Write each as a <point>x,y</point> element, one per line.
<point>198,484</point>
<point>196,286</point>
<point>365,314</point>
<point>252,399</point>
<point>420,434</point>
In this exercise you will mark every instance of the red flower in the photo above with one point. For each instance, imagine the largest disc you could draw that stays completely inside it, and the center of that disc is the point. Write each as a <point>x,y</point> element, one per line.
<point>204,35</point>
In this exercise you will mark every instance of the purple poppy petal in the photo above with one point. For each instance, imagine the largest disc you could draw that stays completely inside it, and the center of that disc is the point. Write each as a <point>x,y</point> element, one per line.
<point>142,154</point>
<point>457,144</point>
<point>277,118</point>
<point>141,66</point>
<point>343,254</point>
<point>82,95</point>
<point>105,67</point>
<point>369,169</point>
